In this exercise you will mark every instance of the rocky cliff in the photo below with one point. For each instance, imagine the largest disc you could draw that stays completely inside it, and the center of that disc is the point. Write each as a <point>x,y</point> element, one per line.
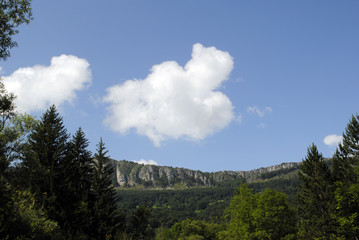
<point>130,174</point>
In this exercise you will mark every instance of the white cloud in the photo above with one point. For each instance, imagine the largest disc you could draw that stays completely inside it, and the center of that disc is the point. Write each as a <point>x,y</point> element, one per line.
<point>260,112</point>
<point>40,86</point>
<point>175,101</point>
<point>333,140</point>
<point>146,162</point>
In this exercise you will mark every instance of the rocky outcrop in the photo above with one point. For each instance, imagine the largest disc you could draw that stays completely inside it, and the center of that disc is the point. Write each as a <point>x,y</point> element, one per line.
<point>129,174</point>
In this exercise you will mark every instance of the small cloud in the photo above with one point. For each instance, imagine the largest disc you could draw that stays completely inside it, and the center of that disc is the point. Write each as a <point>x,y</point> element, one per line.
<point>175,102</point>
<point>239,80</point>
<point>333,140</point>
<point>38,87</point>
<point>145,162</point>
<point>260,112</point>
<point>239,118</point>
<point>262,125</point>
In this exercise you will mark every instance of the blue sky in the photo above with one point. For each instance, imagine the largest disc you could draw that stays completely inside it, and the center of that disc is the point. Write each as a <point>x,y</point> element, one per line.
<point>208,85</point>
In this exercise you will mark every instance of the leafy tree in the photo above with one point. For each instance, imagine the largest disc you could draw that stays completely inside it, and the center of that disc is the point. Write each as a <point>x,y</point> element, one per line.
<point>315,197</point>
<point>189,229</point>
<point>346,176</point>
<point>240,214</point>
<point>259,216</point>
<point>12,15</point>
<point>273,216</point>
<point>106,217</point>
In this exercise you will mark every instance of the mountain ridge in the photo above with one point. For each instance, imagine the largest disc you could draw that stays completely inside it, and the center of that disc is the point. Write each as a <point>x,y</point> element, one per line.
<point>130,174</point>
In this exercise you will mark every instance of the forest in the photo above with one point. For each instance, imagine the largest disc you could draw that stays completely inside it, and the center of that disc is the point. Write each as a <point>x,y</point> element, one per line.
<point>53,187</point>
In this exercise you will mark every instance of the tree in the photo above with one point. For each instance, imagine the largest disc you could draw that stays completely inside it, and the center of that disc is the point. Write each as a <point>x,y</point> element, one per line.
<point>12,15</point>
<point>76,173</point>
<point>106,216</point>
<point>265,215</point>
<point>42,161</point>
<point>189,229</point>
<point>315,198</point>
<point>346,176</point>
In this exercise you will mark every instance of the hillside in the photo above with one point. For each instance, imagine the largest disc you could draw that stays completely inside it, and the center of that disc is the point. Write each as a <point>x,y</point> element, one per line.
<point>131,174</point>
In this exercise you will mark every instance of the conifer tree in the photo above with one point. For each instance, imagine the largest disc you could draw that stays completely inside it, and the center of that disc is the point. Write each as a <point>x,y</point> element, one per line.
<point>106,216</point>
<point>43,157</point>
<point>77,173</point>
<point>346,175</point>
<point>315,197</point>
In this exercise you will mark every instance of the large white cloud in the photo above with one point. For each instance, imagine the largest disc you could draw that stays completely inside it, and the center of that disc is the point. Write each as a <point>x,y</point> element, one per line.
<point>39,86</point>
<point>333,140</point>
<point>175,101</point>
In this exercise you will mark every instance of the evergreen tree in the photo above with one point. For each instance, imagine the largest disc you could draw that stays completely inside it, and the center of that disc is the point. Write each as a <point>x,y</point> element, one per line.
<point>106,216</point>
<point>42,160</point>
<point>77,173</point>
<point>346,175</point>
<point>315,197</point>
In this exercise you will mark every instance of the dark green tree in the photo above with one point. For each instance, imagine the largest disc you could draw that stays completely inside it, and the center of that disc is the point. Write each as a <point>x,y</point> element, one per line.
<point>315,197</point>
<point>77,173</point>
<point>189,229</point>
<point>43,158</point>
<point>346,176</point>
<point>106,216</point>
<point>12,15</point>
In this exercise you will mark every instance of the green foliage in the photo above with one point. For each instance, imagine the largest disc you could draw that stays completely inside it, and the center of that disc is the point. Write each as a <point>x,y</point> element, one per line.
<point>346,176</point>
<point>43,158</point>
<point>315,198</point>
<point>106,218</point>
<point>189,229</point>
<point>76,172</point>
<point>259,216</point>
<point>7,106</point>
<point>12,15</point>
<point>171,206</point>
<point>139,226</point>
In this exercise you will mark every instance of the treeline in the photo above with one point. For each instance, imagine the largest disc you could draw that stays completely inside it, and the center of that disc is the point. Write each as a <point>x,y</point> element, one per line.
<point>327,205</point>
<point>52,187</point>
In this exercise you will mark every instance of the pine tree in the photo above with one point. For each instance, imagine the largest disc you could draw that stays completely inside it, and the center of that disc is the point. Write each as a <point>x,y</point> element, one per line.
<point>77,173</point>
<point>43,158</point>
<point>106,220</point>
<point>346,175</point>
<point>315,197</point>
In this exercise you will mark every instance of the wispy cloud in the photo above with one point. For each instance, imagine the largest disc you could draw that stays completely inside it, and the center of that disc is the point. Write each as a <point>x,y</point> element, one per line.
<point>39,86</point>
<point>260,112</point>
<point>333,140</point>
<point>175,101</point>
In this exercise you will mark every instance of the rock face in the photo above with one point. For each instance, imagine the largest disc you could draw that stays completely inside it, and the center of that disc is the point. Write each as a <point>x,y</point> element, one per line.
<point>130,174</point>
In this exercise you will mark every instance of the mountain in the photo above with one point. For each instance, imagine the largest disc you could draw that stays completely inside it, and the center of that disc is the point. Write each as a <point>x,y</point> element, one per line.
<point>131,174</point>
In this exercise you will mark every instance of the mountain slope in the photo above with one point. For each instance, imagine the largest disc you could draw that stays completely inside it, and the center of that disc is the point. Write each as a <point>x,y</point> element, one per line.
<point>131,174</point>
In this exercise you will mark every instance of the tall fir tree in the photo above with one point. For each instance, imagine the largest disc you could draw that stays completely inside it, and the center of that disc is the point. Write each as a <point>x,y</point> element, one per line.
<point>107,218</point>
<point>77,173</point>
<point>346,175</point>
<point>42,160</point>
<point>315,197</point>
